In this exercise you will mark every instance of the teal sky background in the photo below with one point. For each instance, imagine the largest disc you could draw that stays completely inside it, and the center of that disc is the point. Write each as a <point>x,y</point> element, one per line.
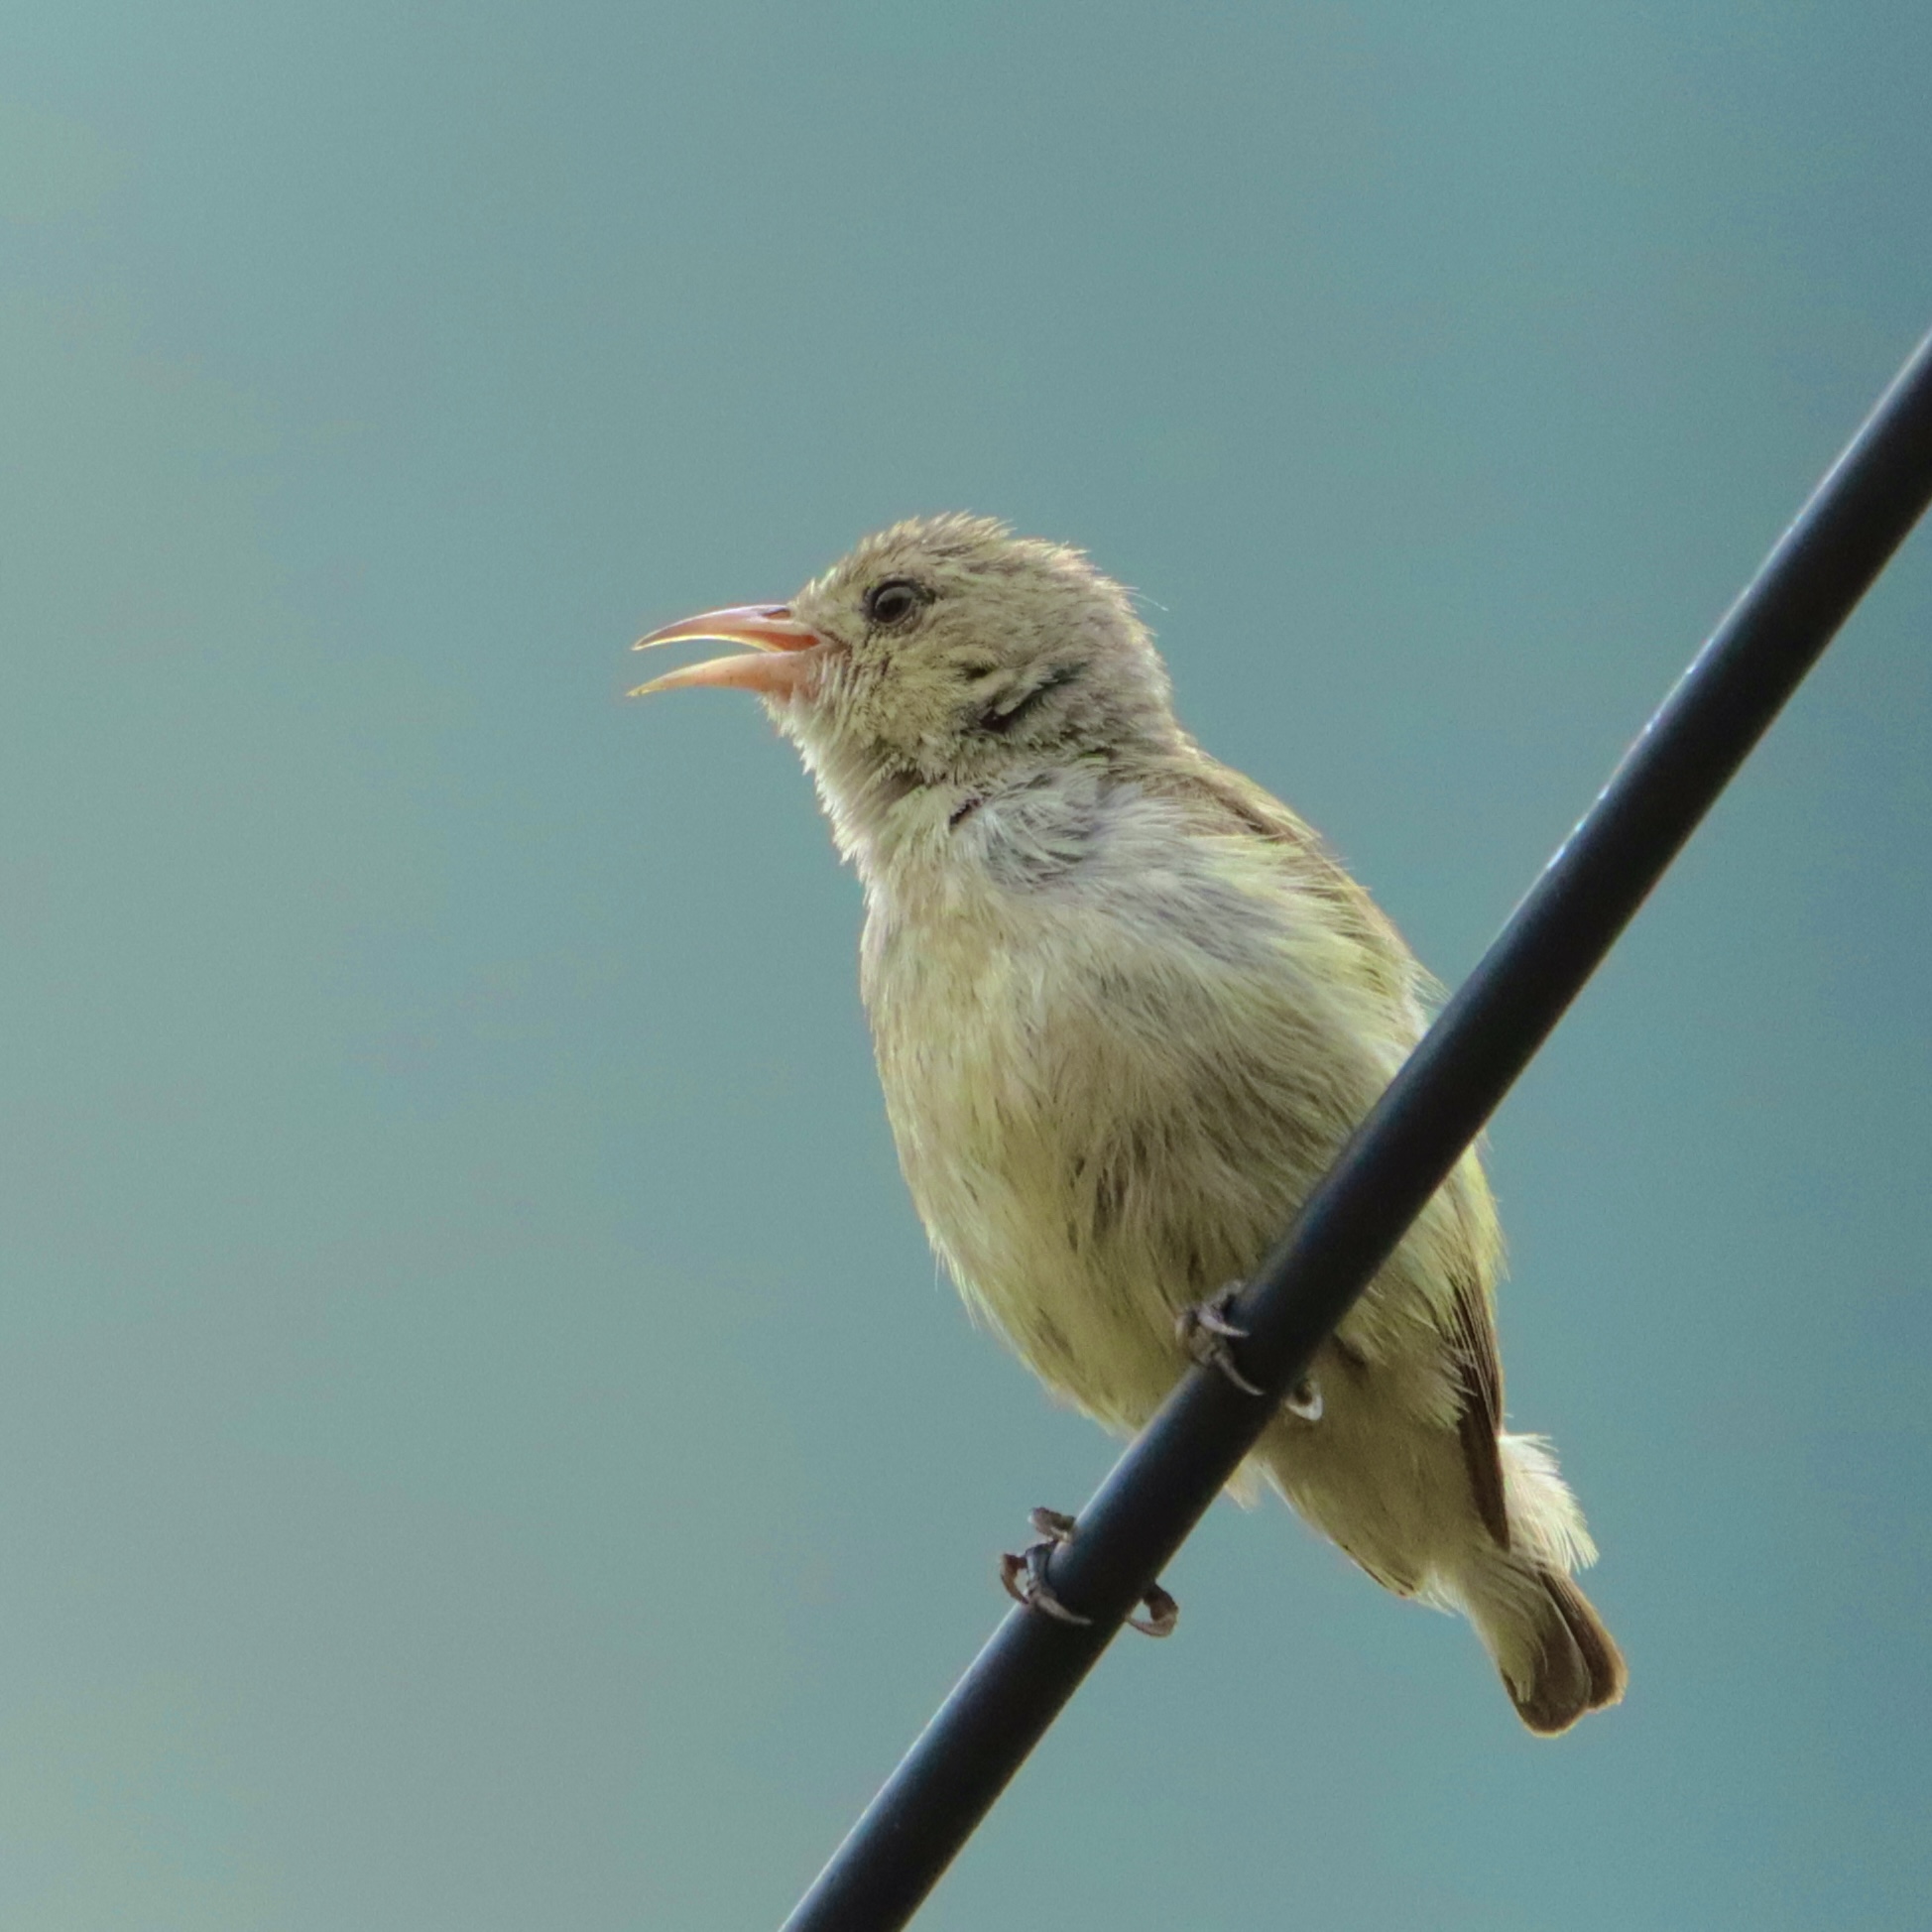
<point>482,1444</point>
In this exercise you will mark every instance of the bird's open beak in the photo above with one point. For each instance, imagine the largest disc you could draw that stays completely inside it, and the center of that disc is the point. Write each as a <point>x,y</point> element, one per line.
<point>785,655</point>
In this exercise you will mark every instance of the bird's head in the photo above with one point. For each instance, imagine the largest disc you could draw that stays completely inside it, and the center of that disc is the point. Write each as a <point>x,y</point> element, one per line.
<point>943,652</point>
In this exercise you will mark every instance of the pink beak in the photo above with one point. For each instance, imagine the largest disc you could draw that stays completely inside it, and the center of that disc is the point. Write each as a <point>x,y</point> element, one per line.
<point>785,654</point>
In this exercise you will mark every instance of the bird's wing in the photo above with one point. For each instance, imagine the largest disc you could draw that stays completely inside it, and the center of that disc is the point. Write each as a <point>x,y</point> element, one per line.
<point>1479,1372</point>
<point>1220,797</point>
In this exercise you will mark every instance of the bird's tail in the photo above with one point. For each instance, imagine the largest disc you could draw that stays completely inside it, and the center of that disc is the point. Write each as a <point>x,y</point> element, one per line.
<point>1556,1658</point>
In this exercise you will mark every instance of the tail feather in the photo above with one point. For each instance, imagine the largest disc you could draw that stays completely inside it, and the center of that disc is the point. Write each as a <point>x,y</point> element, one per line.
<point>1557,1660</point>
<point>1601,1656</point>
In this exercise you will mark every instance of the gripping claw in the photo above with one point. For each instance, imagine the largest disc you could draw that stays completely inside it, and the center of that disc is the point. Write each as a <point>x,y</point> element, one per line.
<point>1206,1333</point>
<point>1023,1577</point>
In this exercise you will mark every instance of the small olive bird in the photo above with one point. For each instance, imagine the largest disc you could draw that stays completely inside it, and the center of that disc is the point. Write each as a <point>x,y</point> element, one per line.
<point>1127,1008</point>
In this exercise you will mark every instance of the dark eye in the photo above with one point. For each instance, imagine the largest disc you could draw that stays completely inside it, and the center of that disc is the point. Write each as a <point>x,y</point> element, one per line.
<point>893,602</point>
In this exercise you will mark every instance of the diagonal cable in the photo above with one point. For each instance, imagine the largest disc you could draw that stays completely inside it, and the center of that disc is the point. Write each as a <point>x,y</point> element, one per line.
<point>1430,1114</point>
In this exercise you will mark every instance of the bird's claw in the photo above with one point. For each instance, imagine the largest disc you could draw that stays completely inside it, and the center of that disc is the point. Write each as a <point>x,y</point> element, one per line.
<point>1024,1577</point>
<point>1206,1333</point>
<point>1304,1399</point>
<point>1163,1613</point>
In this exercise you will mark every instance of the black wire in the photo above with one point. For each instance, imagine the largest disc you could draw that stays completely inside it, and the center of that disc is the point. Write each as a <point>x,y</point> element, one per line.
<point>1432,1110</point>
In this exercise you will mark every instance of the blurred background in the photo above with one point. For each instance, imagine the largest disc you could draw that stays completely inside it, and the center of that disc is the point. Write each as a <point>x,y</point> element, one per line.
<point>482,1444</point>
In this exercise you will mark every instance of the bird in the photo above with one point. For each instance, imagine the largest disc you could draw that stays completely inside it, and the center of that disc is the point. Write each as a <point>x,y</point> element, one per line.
<point>1126,1008</point>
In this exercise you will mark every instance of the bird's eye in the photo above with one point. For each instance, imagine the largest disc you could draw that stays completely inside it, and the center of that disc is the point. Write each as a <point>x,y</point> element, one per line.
<point>893,602</point>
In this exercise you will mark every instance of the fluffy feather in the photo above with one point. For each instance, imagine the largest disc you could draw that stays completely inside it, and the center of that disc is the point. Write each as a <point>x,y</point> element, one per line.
<point>1126,1008</point>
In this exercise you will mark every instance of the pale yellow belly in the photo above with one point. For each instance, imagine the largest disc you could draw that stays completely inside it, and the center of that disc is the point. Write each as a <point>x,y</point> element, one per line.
<point>1089,1168</point>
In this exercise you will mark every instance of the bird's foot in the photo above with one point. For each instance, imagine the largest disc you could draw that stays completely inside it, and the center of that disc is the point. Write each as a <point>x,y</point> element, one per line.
<point>1206,1333</point>
<point>1163,1613</point>
<point>1024,1579</point>
<point>1024,1575</point>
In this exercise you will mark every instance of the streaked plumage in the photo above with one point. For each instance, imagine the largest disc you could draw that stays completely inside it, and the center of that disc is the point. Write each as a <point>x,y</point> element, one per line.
<point>1126,1009</point>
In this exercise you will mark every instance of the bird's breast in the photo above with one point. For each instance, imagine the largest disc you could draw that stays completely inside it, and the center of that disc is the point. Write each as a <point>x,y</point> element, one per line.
<point>1108,1086</point>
